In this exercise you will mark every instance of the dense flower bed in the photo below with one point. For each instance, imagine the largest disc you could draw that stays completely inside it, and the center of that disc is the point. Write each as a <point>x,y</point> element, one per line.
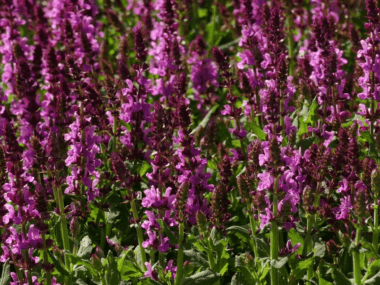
<point>189,142</point>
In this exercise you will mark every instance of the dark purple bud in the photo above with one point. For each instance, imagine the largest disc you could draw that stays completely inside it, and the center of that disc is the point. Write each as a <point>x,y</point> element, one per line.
<point>244,188</point>
<point>181,198</point>
<point>118,167</point>
<point>220,59</point>
<point>140,48</point>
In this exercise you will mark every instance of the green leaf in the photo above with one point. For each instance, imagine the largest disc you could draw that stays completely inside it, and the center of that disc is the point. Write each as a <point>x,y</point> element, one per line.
<point>112,275</point>
<point>196,258</point>
<point>127,126</point>
<point>111,216</point>
<point>319,249</point>
<point>279,263</point>
<point>305,143</point>
<point>172,238</point>
<point>256,130</point>
<point>295,238</point>
<point>85,248</point>
<point>202,12</point>
<point>128,270</point>
<point>5,274</point>
<point>365,136</point>
<point>145,168</point>
<point>205,120</point>
<point>87,264</point>
<point>375,280</point>
<point>79,282</point>
<point>311,116</point>
<point>213,235</point>
<point>324,281</point>
<point>301,269</point>
<point>236,143</point>
<point>58,264</point>
<point>244,230</point>
<point>201,278</point>
<point>238,279</point>
<point>372,269</point>
<point>302,128</point>
<point>339,277</point>
<point>262,247</point>
<point>211,165</point>
<point>264,271</point>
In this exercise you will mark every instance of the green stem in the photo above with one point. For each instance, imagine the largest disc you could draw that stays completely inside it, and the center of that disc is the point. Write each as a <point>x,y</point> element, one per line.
<point>375,238</point>
<point>65,235</point>
<point>103,235</point>
<point>290,44</point>
<point>139,232</point>
<point>210,255</point>
<point>20,277</point>
<point>274,238</point>
<point>152,254</point>
<point>356,258</point>
<point>178,278</point>
<point>309,245</point>
<point>253,229</point>
<point>46,261</point>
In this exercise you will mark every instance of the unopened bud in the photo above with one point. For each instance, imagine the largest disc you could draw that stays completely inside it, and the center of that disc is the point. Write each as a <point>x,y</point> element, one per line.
<point>375,182</point>
<point>201,221</point>
<point>243,187</point>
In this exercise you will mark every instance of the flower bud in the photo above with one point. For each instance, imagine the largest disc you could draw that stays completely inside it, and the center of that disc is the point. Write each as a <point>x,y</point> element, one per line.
<point>307,198</point>
<point>201,221</point>
<point>375,182</point>
<point>243,186</point>
<point>182,195</point>
<point>118,167</point>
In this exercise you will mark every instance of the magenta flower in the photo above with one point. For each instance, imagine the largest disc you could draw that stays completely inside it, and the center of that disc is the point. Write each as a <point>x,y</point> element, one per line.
<point>152,198</point>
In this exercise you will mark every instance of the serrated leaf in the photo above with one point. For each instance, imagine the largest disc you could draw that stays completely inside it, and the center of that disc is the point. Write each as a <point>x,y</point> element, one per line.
<point>244,230</point>
<point>201,278</point>
<point>196,257</point>
<point>85,248</point>
<point>339,277</point>
<point>256,130</point>
<point>319,249</point>
<point>262,247</point>
<point>372,269</point>
<point>5,274</point>
<point>112,275</point>
<point>127,269</point>
<point>280,262</point>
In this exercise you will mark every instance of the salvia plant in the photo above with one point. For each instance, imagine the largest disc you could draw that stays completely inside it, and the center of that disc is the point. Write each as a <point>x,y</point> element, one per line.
<point>189,142</point>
